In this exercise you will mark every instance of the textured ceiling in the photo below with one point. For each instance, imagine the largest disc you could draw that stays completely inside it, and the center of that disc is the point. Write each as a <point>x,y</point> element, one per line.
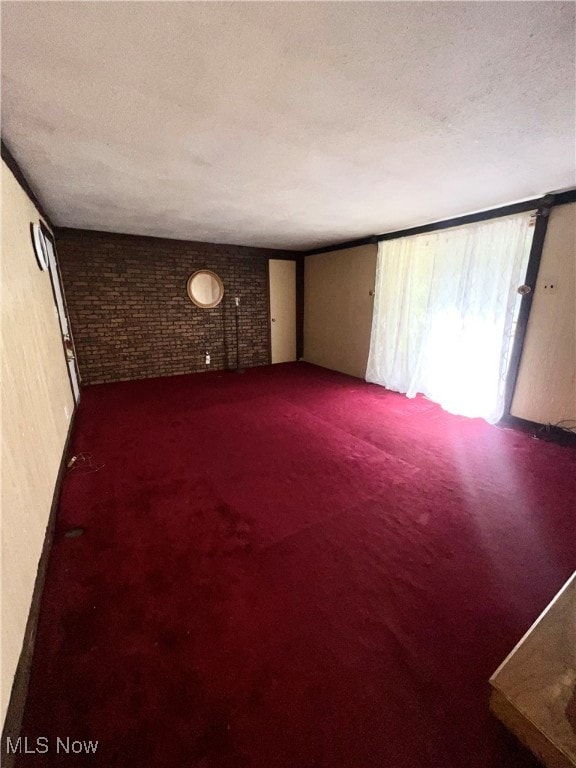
<point>286,124</point>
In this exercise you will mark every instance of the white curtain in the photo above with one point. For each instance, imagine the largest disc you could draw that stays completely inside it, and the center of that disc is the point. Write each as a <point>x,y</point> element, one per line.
<point>444,311</point>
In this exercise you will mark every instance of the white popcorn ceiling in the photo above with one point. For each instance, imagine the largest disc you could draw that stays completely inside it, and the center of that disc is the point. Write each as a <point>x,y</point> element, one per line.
<point>288,124</point>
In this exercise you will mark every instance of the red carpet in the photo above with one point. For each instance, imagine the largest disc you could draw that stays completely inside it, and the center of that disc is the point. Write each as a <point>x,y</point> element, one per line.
<point>292,568</point>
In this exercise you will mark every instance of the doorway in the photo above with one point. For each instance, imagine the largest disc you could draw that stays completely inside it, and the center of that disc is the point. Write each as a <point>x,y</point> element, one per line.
<point>67,340</point>
<point>282,277</point>
<point>445,313</point>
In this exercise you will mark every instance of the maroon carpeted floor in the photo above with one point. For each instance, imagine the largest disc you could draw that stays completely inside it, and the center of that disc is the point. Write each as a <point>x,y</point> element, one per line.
<point>292,568</point>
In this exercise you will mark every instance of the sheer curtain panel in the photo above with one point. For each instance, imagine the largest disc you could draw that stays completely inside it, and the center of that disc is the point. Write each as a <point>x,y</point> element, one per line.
<point>444,313</point>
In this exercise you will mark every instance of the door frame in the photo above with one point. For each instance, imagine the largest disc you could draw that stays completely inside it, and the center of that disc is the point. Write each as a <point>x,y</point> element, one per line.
<point>293,260</point>
<point>299,258</point>
<point>543,206</point>
<point>68,346</point>
<point>542,217</point>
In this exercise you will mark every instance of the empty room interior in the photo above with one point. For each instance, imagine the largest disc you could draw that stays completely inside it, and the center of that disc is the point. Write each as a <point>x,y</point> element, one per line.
<point>288,384</point>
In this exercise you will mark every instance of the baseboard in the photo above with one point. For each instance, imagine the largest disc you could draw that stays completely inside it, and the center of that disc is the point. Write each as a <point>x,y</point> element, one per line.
<point>15,711</point>
<point>548,432</point>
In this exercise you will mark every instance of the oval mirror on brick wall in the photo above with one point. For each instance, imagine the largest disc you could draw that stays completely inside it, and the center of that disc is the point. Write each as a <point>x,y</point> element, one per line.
<point>205,289</point>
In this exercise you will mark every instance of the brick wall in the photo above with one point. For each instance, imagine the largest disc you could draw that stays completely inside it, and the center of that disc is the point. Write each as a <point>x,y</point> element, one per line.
<point>131,316</point>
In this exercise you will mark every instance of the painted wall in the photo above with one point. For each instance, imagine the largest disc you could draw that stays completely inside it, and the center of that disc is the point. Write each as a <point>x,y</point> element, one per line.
<point>36,408</point>
<point>338,308</point>
<point>131,315</point>
<point>546,386</point>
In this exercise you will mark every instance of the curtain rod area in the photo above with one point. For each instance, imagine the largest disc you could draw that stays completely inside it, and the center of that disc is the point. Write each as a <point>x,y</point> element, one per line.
<point>549,200</point>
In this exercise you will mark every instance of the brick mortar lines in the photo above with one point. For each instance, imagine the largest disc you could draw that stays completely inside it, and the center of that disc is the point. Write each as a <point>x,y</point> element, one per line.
<point>131,316</point>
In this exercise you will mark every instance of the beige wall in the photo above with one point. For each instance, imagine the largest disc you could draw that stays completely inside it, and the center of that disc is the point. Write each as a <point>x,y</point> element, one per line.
<point>36,408</point>
<point>546,387</point>
<point>338,308</point>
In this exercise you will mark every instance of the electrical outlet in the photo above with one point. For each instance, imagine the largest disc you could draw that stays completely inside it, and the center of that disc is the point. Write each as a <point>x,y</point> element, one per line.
<point>549,285</point>
<point>207,358</point>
